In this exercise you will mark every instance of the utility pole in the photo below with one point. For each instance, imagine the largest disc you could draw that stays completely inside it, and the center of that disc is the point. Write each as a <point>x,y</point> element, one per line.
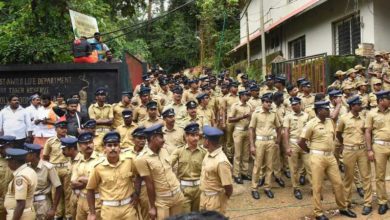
<point>262,34</point>
<point>248,46</point>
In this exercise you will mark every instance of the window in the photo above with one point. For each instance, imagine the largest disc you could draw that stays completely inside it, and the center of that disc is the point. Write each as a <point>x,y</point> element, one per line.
<point>297,48</point>
<point>347,35</point>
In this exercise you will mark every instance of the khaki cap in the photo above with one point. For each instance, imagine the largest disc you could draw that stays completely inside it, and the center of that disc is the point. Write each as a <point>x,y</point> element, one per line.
<point>361,83</point>
<point>376,81</point>
<point>360,67</point>
<point>347,86</point>
<point>378,53</point>
<point>352,70</point>
<point>339,73</point>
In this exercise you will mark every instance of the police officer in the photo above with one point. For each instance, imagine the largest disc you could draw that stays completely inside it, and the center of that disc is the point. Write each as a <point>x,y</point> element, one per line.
<point>47,177</point>
<point>378,141</point>
<point>90,126</point>
<point>52,153</point>
<point>255,100</point>
<point>118,108</point>
<point>152,115</point>
<point>216,182</point>
<point>101,112</point>
<point>20,194</point>
<point>5,173</point>
<point>377,68</point>
<point>126,129</point>
<point>113,178</point>
<point>192,114</point>
<point>264,135</point>
<point>192,92</point>
<point>173,134</point>
<point>205,113</point>
<point>339,75</point>
<point>350,133</point>
<point>80,174</point>
<point>320,133</point>
<point>178,106</point>
<point>155,168</point>
<point>307,99</point>
<point>351,80</point>
<point>269,85</point>
<point>189,159</point>
<point>240,116</point>
<point>293,124</point>
<point>377,87</point>
<point>140,112</point>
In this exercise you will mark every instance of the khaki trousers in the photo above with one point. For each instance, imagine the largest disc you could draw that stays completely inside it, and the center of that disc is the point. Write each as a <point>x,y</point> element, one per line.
<point>322,166</point>
<point>216,202</point>
<point>83,209</point>
<point>143,205</point>
<point>241,153</point>
<point>191,198</point>
<point>264,155</point>
<point>353,159</point>
<point>41,208</point>
<point>298,156</point>
<point>64,208</point>
<point>382,155</point>
<point>169,205</point>
<point>229,140</point>
<point>27,215</point>
<point>123,212</point>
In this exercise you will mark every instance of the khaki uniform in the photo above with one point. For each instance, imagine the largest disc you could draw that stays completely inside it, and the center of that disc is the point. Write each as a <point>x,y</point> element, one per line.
<point>52,149</point>
<point>189,95</point>
<point>227,104</point>
<point>379,122</point>
<point>351,82</point>
<point>255,103</point>
<point>216,173</point>
<point>22,187</point>
<point>323,162</point>
<point>105,112</point>
<point>336,84</point>
<point>355,152</point>
<point>147,122</point>
<point>376,67</point>
<point>115,184</point>
<point>180,113</point>
<point>5,178</point>
<point>83,169</point>
<point>187,120</point>
<point>47,178</point>
<point>74,198</point>
<point>337,145</point>
<point>174,138</point>
<point>140,113</point>
<point>98,143</point>
<point>280,159</point>
<point>265,125</point>
<point>307,101</point>
<point>265,89</point>
<point>365,102</point>
<point>295,123</point>
<point>169,198</point>
<point>165,98</point>
<point>206,114</point>
<point>117,111</point>
<point>372,100</point>
<point>241,139</point>
<point>188,171</point>
<point>126,137</point>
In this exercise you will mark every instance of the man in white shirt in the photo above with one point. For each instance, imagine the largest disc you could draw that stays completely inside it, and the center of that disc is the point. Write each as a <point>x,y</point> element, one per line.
<point>33,110</point>
<point>15,121</point>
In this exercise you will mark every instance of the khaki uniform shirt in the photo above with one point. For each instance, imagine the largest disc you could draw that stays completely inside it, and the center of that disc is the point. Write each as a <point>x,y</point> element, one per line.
<point>189,162</point>
<point>84,167</point>
<point>140,113</point>
<point>125,133</point>
<point>159,168</point>
<point>187,120</point>
<point>47,178</point>
<point>105,112</point>
<point>216,172</point>
<point>281,111</point>
<point>52,149</point>
<point>117,110</point>
<point>114,182</point>
<point>320,135</point>
<point>174,138</point>
<point>255,103</point>
<point>379,122</point>
<point>350,81</point>
<point>343,110</point>
<point>165,98</point>
<point>180,112</point>
<point>228,102</point>
<point>207,115</point>
<point>307,101</point>
<point>189,95</point>
<point>22,187</point>
<point>372,100</point>
<point>336,84</point>
<point>364,98</point>
<point>295,122</point>
<point>239,109</point>
<point>264,123</point>
<point>352,129</point>
<point>265,89</point>
<point>147,122</point>
<point>5,178</point>
<point>98,143</point>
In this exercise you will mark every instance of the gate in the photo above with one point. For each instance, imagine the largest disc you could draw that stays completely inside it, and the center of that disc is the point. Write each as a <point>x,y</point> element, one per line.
<point>314,68</point>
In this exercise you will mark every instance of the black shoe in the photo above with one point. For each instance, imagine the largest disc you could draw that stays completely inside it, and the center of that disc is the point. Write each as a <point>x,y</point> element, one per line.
<point>247,177</point>
<point>366,210</point>
<point>280,182</point>
<point>348,213</point>
<point>255,195</point>
<point>341,167</point>
<point>287,174</point>
<point>382,209</point>
<point>238,180</point>
<point>360,191</point>
<point>297,194</point>
<point>269,193</point>
<point>302,180</point>
<point>321,217</point>
<point>261,182</point>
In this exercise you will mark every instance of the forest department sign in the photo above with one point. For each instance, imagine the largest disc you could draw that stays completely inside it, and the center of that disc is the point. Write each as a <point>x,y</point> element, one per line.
<point>83,25</point>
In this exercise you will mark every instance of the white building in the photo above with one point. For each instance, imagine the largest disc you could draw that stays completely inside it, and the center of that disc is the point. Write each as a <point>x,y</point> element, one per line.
<point>299,28</point>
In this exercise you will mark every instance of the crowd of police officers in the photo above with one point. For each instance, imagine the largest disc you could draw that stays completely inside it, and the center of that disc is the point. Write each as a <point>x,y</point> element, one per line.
<point>177,143</point>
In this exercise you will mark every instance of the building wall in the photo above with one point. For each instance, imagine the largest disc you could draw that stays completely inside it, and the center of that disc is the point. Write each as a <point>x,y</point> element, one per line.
<point>381,10</point>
